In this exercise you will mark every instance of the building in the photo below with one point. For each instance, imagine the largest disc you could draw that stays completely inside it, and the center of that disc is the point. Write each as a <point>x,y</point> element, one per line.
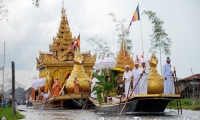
<point>189,87</point>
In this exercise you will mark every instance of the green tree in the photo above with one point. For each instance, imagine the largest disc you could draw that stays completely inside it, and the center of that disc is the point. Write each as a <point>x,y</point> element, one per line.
<point>3,11</point>
<point>123,32</point>
<point>160,42</point>
<point>101,47</point>
<point>36,3</point>
<point>104,86</point>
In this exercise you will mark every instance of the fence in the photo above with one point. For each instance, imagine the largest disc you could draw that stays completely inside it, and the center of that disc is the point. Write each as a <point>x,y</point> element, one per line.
<point>190,95</point>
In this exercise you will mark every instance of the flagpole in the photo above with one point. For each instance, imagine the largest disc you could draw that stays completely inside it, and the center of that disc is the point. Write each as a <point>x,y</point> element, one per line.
<point>141,35</point>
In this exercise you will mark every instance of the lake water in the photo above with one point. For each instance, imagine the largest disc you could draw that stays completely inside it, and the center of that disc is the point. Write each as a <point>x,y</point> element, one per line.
<point>33,114</point>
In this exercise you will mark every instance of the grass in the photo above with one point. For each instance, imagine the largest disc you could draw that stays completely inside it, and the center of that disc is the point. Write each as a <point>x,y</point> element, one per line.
<point>7,113</point>
<point>185,104</point>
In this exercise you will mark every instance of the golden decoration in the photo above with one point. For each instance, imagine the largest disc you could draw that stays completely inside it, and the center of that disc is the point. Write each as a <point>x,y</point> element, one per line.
<point>155,80</point>
<point>79,72</point>
<point>60,58</point>
<point>123,58</point>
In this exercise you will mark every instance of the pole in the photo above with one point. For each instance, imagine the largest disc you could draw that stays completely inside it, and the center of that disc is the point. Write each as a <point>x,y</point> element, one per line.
<point>141,33</point>
<point>193,86</point>
<point>3,76</point>
<point>13,89</point>
<point>176,81</point>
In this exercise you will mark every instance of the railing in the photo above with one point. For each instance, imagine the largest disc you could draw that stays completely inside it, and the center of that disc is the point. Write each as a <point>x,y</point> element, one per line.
<point>190,95</point>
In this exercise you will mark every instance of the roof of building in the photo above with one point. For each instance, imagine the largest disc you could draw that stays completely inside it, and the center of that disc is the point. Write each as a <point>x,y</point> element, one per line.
<point>190,78</point>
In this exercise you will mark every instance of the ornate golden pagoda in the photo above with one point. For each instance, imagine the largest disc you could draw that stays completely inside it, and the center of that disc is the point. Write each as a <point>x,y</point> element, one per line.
<point>59,61</point>
<point>124,58</point>
<point>155,80</point>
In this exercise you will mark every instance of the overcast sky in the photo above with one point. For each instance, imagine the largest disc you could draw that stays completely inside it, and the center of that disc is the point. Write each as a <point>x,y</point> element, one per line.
<point>30,30</point>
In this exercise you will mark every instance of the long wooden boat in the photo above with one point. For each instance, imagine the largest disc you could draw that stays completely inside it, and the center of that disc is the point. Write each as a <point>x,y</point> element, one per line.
<point>71,100</point>
<point>146,103</point>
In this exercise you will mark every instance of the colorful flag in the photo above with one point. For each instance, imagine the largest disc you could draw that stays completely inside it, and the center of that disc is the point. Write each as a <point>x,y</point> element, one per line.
<point>77,42</point>
<point>136,16</point>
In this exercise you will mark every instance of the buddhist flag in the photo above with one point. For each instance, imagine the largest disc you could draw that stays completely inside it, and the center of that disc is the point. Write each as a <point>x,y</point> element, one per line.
<point>136,16</point>
<point>77,42</point>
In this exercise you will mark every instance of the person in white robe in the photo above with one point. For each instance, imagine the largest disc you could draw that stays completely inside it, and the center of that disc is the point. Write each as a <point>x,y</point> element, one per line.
<point>136,76</point>
<point>144,79</point>
<point>167,73</point>
<point>93,84</point>
<point>127,77</point>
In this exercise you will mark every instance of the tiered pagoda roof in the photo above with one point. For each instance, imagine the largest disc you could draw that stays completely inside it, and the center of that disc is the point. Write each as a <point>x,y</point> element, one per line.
<point>124,57</point>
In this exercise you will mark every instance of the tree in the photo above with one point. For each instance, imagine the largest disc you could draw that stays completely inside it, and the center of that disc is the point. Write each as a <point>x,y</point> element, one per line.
<point>123,32</point>
<point>3,11</point>
<point>36,3</point>
<point>106,85</point>
<point>159,39</point>
<point>101,47</point>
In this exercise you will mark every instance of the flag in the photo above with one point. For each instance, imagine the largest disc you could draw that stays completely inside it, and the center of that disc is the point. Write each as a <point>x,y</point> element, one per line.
<point>136,16</point>
<point>77,42</point>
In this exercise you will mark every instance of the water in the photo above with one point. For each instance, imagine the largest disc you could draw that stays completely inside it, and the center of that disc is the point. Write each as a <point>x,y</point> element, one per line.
<point>33,114</point>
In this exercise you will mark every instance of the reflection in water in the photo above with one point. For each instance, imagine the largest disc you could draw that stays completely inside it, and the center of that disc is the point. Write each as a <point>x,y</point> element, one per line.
<point>32,114</point>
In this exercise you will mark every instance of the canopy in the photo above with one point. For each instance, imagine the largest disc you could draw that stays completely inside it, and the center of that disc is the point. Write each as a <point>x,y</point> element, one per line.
<point>39,82</point>
<point>109,62</point>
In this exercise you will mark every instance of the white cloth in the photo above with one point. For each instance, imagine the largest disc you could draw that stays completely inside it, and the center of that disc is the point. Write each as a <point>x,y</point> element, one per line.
<point>42,94</point>
<point>46,95</point>
<point>94,80</point>
<point>136,75</point>
<point>144,81</point>
<point>167,72</point>
<point>127,78</point>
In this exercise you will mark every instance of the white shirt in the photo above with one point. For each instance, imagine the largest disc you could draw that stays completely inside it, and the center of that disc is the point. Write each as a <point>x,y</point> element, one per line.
<point>136,73</point>
<point>127,75</point>
<point>167,70</point>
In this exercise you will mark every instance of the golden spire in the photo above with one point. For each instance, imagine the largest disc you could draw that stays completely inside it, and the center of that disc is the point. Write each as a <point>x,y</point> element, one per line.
<point>123,45</point>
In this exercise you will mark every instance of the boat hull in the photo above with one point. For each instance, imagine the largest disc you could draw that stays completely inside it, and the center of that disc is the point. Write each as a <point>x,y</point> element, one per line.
<point>139,103</point>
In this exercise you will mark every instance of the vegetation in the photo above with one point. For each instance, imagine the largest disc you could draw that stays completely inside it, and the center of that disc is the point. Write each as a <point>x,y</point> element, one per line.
<point>3,11</point>
<point>107,84</point>
<point>102,47</point>
<point>185,104</point>
<point>159,39</point>
<point>7,113</point>
<point>123,32</point>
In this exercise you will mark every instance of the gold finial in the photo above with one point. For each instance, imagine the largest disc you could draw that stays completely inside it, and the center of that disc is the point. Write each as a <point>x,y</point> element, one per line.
<point>63,4</point>
<point>123,46</point>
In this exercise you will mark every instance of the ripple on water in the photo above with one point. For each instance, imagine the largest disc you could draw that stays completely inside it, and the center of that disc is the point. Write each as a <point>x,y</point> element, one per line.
<point>32,114</point>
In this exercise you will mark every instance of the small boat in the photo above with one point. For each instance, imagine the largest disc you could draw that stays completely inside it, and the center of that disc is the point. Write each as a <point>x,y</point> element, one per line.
<point>145,103</point>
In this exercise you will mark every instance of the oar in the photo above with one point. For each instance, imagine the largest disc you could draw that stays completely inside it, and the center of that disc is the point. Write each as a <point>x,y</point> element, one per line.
<point>132,91</point>
<point>177,88</point>
<point>121,98</point>
<point>63,87</point>
<point>47,98</point>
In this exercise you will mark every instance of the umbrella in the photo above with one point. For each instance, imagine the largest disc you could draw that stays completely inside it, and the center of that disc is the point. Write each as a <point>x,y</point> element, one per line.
<point>108,62</point>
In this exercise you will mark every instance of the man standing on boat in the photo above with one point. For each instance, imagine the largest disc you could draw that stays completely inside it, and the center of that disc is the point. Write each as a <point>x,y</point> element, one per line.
<point>127,77</point>
<point>76,85</point>
<point>56,87</point>
<point>144,78</point>
<point>136,75</point>
<point>167,73</point>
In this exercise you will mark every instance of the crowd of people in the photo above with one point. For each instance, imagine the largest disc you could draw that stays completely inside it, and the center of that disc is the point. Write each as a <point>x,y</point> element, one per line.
<point>137,79</point>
